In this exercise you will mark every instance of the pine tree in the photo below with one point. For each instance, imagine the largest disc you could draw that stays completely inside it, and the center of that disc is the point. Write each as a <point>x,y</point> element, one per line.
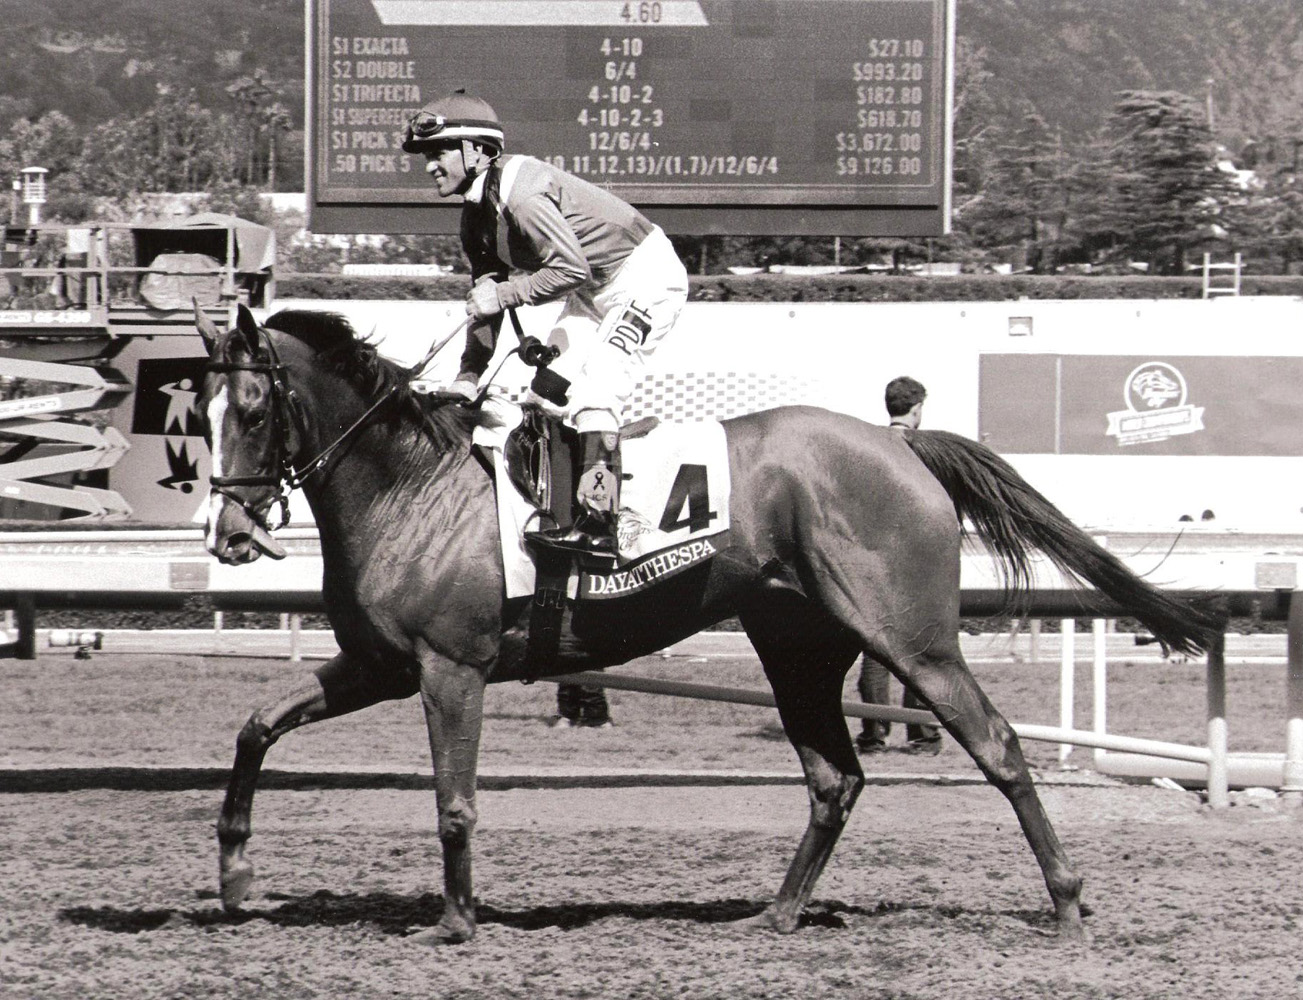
<point>1168,186</point>
<point>1272,219</point>
<point>1022,208</point>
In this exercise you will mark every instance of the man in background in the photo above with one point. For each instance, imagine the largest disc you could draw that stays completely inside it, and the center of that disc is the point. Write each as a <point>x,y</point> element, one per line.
<point>904,399</point>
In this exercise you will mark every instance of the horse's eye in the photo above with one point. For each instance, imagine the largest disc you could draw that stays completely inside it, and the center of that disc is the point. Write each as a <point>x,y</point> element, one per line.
<point>257,419</point>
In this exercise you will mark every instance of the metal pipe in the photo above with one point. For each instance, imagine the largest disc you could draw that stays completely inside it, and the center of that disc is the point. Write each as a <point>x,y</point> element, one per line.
<point>1067,681</point>
<point>1218,774</point>
<point>1100,677</point>
<point>744,696</point>
<point>1292,780</point>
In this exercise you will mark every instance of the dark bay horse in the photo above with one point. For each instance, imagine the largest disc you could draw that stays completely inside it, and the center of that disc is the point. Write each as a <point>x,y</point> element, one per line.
<point>843,540</point>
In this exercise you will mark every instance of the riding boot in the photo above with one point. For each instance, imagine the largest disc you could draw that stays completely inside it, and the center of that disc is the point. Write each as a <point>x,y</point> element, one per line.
<point>598,493</point>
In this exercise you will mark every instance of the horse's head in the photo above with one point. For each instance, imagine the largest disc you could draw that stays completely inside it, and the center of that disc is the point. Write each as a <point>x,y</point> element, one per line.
<point>284,403</point>
<point>252,428</point>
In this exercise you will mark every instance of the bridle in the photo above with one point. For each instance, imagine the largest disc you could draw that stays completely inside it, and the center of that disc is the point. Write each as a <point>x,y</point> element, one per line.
<point>288,430</point>
<point>287,412</point>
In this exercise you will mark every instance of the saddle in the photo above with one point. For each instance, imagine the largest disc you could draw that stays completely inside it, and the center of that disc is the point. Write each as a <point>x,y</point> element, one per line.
<point>542,461</point>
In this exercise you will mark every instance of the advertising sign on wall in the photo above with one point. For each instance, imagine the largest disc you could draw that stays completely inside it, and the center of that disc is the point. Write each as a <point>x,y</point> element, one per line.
<point>1063,404</point>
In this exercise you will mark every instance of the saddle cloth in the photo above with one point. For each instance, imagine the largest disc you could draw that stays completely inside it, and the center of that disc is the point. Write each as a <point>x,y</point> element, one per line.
<point>674,494</point>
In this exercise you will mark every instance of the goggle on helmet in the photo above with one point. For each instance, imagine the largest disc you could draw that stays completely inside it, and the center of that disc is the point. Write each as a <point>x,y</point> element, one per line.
<point>450,120</point>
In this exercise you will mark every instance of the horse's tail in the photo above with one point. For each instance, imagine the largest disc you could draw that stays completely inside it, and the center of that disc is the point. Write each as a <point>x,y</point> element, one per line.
<point>1013,518</point>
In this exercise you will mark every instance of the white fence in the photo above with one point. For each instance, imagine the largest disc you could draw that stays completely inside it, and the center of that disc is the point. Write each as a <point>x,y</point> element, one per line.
<point>1251,572</point>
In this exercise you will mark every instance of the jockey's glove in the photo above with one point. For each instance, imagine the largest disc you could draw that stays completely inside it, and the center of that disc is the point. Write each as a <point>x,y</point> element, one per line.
<point>483,302</point>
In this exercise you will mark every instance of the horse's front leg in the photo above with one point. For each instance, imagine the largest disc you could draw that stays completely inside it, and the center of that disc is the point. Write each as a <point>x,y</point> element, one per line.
<point>452,695</point>
<point>337,687</point>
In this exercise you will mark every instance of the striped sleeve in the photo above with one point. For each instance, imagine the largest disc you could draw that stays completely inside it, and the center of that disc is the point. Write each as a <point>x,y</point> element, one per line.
<point>564,266</point>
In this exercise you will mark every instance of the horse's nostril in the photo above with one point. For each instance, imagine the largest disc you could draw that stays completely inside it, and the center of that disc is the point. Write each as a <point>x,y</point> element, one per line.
<point>238,540</point>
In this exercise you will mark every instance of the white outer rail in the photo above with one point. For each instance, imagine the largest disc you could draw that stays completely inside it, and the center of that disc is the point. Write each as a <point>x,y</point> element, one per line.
<point>748,696</point>
<point>161,562</point>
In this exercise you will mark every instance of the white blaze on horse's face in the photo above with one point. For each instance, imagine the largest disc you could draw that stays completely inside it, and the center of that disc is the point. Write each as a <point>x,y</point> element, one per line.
<point>216,421</point>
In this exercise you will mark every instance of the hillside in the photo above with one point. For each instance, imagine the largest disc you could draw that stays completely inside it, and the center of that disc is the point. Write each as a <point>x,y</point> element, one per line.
<point>98,59</point>
<point>1068,58</point>
<point>94,59</point>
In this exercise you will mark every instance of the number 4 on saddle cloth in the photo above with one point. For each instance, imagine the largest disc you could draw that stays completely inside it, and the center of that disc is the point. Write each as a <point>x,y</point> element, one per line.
<point>673,504</point>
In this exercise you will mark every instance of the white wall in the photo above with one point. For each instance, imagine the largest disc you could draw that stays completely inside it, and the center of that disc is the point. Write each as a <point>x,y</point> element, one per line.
<point>840,355</point>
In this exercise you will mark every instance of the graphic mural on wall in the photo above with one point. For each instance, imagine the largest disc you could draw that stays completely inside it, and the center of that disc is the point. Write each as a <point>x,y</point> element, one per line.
<point>165,475</point>
<point>166,389</point>
<point>1157,408</point>
<point>1063,404</point>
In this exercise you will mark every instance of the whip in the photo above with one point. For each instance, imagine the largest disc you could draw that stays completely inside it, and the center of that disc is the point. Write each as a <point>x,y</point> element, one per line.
<point>546,383</point>
<point>438,346</point>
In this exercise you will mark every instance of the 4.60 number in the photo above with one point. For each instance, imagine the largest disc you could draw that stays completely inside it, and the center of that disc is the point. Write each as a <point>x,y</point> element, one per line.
<point>642,13</point>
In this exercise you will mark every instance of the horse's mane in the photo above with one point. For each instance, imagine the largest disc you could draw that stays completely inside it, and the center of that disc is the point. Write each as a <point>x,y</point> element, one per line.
<point>341,349</point>
<point>345,352</point>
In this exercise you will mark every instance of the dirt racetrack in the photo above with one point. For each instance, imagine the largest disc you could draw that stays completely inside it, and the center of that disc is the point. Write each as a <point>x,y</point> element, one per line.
<point>107,883</point>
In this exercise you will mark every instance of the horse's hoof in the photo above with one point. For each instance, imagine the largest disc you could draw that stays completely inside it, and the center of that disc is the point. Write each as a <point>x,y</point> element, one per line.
<point>237,876</point>
<point>1072,931</point>
<point>1074,934</point>
<point>769,920</point>
<point>444,933</point>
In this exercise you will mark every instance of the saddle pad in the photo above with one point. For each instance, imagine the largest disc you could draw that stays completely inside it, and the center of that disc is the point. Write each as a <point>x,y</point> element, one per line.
<point>675,490</point>
<point>498,418</point>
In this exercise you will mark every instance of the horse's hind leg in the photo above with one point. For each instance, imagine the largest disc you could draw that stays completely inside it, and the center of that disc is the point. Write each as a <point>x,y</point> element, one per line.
<point>942,680</point>
<point>806,656</point>
<point>338,687</point>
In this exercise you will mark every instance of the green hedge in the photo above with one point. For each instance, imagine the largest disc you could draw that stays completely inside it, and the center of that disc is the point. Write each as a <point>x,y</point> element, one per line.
<point>830,288</point>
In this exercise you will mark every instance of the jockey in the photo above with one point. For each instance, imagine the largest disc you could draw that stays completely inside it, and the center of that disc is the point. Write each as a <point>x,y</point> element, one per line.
<point>534,233</point>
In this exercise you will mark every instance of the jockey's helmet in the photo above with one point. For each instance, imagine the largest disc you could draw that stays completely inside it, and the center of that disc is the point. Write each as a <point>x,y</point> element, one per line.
<point>451,119</point>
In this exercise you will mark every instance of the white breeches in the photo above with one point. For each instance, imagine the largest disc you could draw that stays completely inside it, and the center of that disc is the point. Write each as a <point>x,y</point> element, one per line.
<point>607,334</point>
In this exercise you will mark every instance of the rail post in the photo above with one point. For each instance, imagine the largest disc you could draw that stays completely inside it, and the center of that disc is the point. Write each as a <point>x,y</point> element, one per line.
<point>1218,774</point>
<point>1100,678</point>
<point>25,614</point>
<point>22,617</point>
<point>1292,777</point>
<point>1067,680</point>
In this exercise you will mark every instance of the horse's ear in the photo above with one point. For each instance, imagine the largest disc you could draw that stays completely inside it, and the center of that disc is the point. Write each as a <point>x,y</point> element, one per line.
<point>207,330</point>
<point>247,327</point>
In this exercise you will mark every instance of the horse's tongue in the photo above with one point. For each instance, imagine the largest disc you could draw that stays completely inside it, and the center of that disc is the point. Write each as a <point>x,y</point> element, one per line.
<point>266,543</point>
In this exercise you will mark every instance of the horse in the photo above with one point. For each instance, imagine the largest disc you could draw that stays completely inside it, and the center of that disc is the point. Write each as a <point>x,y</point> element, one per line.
<point>844,539</point>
